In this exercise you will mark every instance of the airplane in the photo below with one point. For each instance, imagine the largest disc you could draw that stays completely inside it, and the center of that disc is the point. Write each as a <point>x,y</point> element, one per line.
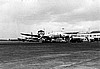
<point>41,36</point>
<point>81,37</point>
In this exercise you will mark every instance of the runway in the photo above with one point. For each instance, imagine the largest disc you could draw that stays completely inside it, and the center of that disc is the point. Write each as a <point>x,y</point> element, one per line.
<point>19,55</point>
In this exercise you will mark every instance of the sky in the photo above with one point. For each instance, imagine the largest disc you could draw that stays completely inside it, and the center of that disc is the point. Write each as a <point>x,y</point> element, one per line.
<point>27,16</point>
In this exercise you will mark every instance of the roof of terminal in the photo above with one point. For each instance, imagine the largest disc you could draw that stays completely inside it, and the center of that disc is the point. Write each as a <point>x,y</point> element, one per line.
<point>95,32</point>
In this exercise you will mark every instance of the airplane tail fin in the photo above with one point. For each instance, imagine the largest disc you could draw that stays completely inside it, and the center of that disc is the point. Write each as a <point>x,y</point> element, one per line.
<point>31,33</point>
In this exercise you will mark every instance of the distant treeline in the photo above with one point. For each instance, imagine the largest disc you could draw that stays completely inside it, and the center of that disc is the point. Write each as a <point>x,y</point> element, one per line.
<point>8,39</point>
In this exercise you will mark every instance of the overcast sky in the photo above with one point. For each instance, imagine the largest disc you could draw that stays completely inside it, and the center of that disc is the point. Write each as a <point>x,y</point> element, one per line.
<point>32,15</point>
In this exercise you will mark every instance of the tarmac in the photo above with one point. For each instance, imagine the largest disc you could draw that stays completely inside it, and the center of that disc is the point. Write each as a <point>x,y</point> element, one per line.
<point>19,55</point>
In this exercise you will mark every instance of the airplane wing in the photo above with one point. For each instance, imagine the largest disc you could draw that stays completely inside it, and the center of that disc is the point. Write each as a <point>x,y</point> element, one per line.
<point>30,35</point>
<point>71,33</point>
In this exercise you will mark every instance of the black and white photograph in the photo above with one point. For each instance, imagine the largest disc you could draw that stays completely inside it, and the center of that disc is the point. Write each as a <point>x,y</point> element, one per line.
<point>49,34</point>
